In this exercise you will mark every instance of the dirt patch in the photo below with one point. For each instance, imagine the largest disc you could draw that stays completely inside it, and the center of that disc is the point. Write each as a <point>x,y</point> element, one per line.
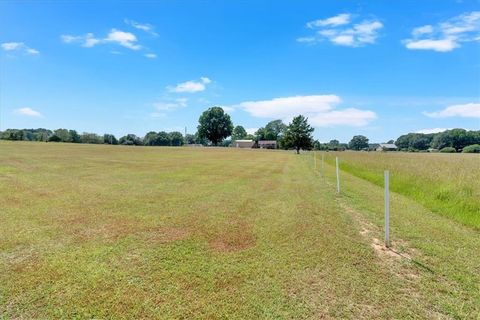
<point>391,256</point>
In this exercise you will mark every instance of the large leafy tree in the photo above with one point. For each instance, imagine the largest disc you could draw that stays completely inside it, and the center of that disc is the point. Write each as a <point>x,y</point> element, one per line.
<point>299,134</point>
<point>274,130</point>
<point>63,134</point>
<point>130,140</point>
<point>456,138</point>
<point>163,139</point>
<point>176,138</point>
<point>239,133</point>
<point>214,125</point>
<point>358,143</point>
<point>150,139</point>
<point>109,139</point>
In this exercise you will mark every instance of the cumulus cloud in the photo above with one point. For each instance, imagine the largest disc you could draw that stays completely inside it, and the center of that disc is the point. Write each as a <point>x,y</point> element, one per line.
<point>339,30</point>
<point>88,40</point>
<point>191,86</point>
<point>434,130</point>
<point>142,26</point>
<point>125,39</point>
<point>338,20</point>
<point>251,130</point>
<point>468,110</point>
<point>29,112</point>
<point>446,36</point>
<point>320,109</point>
<point>18,47</point>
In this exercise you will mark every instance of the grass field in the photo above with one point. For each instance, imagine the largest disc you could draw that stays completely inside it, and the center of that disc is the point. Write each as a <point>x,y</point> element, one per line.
<point>92,231</point>
<point>448,184</point>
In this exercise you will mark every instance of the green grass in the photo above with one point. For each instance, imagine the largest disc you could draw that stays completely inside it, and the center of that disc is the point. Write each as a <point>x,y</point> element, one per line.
<point>447,184</point>
<point>93,231</point>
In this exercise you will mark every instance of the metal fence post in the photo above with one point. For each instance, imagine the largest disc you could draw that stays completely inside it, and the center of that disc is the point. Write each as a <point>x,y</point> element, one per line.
<point>338,176</point>
<point>387,209</point>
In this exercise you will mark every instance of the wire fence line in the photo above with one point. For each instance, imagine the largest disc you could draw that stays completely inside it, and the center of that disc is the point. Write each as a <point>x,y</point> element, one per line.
<point>386,174</point>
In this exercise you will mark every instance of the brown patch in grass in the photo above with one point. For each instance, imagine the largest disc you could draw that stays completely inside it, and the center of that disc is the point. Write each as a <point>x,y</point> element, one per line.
<point>112,229</point>
<point>235,236</point>
<point>164,234</point>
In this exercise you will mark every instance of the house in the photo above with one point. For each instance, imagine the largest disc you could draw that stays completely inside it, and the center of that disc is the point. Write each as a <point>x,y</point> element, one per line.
<point>387,147</point>
<point>267,144</point>
<point>244,143</point>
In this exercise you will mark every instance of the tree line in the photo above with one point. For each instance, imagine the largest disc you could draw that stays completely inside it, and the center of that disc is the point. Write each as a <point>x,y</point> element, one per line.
<point>215,126</point>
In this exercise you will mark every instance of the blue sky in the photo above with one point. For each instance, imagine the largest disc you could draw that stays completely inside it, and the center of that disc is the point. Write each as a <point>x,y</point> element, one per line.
<point>353,67</point>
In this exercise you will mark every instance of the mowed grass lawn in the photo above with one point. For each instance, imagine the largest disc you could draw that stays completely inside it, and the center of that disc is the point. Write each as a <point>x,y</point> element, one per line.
<point>91,231</point>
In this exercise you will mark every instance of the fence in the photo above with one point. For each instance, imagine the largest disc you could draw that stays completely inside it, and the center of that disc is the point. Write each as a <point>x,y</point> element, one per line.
<point>386,175</point>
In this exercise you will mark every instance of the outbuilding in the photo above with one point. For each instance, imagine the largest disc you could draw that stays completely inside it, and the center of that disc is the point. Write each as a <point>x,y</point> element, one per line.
<point>387,147</point>
<point>244,143</point>
<point>267,144</point>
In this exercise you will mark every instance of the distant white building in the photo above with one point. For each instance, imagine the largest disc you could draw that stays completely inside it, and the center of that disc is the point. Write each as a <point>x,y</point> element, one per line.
<point>244,143</point>
<point>387,147</point>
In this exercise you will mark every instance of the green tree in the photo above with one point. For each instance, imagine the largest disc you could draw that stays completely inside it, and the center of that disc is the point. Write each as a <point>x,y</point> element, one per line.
<point>176,138</point>
<point>91,138</point>
<point>130,140</point>
<point>54,138</point>
<point>455,138</point>
<point>299,134</point>
<point>74,136</point>
<point>333,145</point>
<point>63,134</point>
<point>214,125</point>
<point>109,139</point>
<point>474,148</point>
<point>190,138</point>
<point>275,130</point>
<point>150,139</point>
<point>239,133</point>
<point>199,140</point>
<point>163,139</point>
<point>358,143</point>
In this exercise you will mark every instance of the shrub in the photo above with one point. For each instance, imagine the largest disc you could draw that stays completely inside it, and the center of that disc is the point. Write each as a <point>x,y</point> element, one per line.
<point>448,150</point>
<point>474,148</point>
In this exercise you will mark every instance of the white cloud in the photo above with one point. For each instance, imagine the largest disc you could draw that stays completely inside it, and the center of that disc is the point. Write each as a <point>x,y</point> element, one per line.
<point>446,36</point>
<point>150,55</point>
<point>142,26</point>
<point>20,47</point>
<point>434,130</point>
<point>320,109</point>
<point>422,30</point>
<point>228,109</point>
<point>442,45</point>
<point>171,105</point>
<point>290,106</point>
<point>88,40</point>
<point>347,117</point>
<point>468,110</point>
<point>191,86</point>
<point>338,20</point>
<point>125,39</point>
<point>28,112</point>
<point>251,130</point>
<point>340,31</point>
